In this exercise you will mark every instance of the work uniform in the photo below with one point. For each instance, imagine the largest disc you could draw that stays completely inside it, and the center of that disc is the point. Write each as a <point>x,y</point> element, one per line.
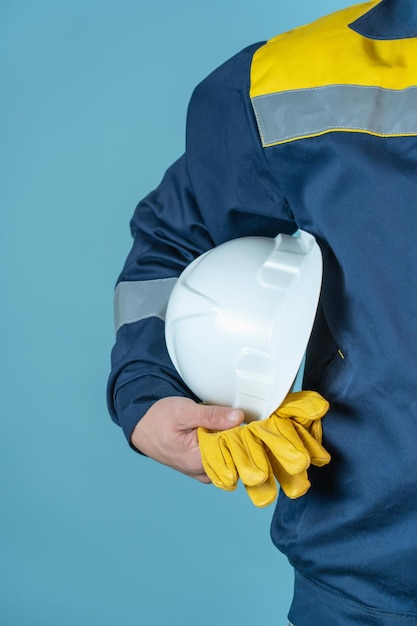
<point>317,130</point>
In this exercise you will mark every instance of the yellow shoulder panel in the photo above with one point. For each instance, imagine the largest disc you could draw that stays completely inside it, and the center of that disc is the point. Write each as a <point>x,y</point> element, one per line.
<point>328,52</point>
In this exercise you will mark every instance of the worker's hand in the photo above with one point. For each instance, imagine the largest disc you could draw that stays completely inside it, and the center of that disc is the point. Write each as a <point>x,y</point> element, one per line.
<point>283,445</point>
<point>168,432</point>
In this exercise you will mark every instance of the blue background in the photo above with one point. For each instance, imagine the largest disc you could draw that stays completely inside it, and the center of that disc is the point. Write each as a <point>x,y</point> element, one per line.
<point>92,111</point>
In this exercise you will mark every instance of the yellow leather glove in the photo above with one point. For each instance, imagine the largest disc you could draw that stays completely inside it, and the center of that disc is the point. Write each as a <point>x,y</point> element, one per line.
<point>298,420</point>
<point>283,445</point>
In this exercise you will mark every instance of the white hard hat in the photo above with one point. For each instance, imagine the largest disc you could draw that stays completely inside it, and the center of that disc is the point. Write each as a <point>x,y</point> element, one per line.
<point>239,319</point>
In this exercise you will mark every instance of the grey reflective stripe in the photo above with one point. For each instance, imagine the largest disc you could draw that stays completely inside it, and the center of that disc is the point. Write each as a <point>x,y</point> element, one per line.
<point>137,300</point>
<point>290,115</point>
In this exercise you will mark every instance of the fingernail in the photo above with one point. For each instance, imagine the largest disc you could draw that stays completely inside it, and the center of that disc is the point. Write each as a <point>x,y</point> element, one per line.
<point>233,416</point>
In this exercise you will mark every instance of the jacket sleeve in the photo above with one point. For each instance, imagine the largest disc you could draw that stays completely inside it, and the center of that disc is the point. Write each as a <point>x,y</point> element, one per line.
<point>222,188</point>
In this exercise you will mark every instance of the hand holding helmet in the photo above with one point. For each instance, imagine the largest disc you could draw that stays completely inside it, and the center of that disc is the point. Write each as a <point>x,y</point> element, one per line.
<point>237,325</point>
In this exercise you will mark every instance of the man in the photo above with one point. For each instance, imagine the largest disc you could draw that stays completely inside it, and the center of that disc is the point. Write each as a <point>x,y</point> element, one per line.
<point>315,130</point>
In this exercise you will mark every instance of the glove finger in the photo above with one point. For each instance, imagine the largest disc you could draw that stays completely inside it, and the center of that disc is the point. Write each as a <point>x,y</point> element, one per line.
<point>313,427</point>
<point>249,456</point>
<point>293,485</point>
<point>308,405</point>
<point>281,439</point>
<point>316,430</point>
<point>318,455</point>
<point>265,494</point>
<point>217,460</point>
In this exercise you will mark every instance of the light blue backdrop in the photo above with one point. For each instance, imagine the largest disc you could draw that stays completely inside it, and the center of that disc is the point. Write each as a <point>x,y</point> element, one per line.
<point>92,110</point>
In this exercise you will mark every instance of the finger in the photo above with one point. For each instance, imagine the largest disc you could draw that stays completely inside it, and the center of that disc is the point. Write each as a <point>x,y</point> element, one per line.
<point>316,430</point>
<point>216,418</point>
<point>249,455</point>
<point>308,405</point>
<point>282,441</point>
<point>293,485</point>
<point>217,460</point>
<point>318,455</point>
<point>265,494</point>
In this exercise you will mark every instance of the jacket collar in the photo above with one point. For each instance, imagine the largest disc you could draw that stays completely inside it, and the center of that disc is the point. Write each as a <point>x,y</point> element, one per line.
<point>389,19</point>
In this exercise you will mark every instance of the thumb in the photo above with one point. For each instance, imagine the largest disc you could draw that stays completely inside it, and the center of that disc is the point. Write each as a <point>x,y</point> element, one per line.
<point>214,417</point>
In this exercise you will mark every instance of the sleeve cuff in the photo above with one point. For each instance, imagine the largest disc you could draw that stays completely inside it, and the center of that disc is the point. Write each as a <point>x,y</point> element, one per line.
<point>135,397</point>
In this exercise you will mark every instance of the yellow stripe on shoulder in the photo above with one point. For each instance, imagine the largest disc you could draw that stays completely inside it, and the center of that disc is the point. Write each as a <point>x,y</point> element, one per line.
<point>325,77</point>
<point>329,52</point>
